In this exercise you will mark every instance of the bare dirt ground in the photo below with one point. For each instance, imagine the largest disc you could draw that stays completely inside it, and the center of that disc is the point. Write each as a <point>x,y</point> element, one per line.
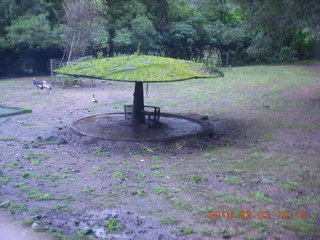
<point>260,160</point>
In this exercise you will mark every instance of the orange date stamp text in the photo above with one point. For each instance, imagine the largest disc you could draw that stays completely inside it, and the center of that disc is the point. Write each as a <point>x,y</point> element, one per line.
<point>301,214</point>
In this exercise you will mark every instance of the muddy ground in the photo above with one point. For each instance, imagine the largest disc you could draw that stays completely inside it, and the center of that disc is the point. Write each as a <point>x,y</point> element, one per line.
<point>260,160</point>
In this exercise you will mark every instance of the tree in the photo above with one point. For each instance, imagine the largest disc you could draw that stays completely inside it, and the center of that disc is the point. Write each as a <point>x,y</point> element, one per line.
<point>130,25</point>
<point>84,24</point>
<point>276,25</point>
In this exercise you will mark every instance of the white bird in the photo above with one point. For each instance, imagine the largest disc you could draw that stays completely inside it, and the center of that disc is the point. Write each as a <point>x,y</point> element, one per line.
<point>93,99</point>
<point>46,85</point>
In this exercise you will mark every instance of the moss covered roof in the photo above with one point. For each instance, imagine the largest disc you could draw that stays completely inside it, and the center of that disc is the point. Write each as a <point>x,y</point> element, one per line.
<point>138,68</point>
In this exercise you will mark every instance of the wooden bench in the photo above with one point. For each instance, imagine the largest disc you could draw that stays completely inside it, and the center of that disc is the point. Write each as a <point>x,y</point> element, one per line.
<point>152,114</point>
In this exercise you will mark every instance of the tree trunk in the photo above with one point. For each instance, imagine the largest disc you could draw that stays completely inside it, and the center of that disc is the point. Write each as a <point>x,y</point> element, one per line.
<point>138,104</point>
<point>163,24</point>
<point>112,33</point>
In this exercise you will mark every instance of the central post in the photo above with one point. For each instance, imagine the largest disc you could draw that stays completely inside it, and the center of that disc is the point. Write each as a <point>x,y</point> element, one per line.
<point>138,116</point>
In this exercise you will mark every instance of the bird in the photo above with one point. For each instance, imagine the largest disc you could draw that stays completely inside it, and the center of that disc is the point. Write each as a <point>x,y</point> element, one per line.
<point>38,84</point>
<point>93,99</point>
<point>47,85</point>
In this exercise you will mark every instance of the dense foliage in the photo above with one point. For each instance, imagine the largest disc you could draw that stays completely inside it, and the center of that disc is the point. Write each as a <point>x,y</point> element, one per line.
<point>138,68</point>
<point>241,31</point>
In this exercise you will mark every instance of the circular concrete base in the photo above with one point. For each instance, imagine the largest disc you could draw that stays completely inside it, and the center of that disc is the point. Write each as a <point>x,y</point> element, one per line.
<point>114,127</point>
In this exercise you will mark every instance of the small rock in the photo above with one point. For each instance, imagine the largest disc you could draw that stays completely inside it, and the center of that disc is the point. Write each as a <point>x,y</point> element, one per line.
<point>56,140</point>
<point>88,232</point>
<point>204,117</point>
<point>4,204</point>
<point>38,228</point>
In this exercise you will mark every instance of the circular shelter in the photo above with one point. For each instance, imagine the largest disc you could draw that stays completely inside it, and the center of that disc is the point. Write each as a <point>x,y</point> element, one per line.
<point>139,69</point>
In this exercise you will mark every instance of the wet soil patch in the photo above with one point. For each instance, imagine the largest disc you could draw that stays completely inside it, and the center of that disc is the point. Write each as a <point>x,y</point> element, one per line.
<point>115,127</point>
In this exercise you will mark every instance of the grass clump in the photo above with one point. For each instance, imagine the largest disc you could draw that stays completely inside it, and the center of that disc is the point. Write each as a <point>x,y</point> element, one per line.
<point>196,178</point>
<point>61,207</point>
<point>311,199</point>
<point>290,186</point>
<point>171,220</point>
<point>262,197</point>
<point>139,177</point>
<point>88,190</point>
<point>259,226</point>
<point>16,207</point>
<point>38,196</point>
<point>112,225</point>
<point>22,186</point>
<point>155,166</point>
<point>99,153</point>
<point>8,139</point>
<point>95,170</point>
<point>233,180</point>
<point>180,205</point>
<point>35,156</point>
<point>157,158</point>
<point>186,230</point>
<point>160,189</point>
<point>14,165</point>
<point>5,180</point>
<point>158,174</point>
<point>54,184</point>
<point>228,197</point>
<point>207,232</point>
<point>302,225</point>
<point>119,174</point>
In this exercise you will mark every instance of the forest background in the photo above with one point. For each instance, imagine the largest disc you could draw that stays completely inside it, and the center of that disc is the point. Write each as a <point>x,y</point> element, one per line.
<point>240,31</point>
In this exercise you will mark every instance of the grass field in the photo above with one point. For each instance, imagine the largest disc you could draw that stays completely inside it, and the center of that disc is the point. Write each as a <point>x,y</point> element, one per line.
<point>256,177</point>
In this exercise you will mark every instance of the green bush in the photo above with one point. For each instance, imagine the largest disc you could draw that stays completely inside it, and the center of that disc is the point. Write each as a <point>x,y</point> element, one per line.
<point>211,59</point>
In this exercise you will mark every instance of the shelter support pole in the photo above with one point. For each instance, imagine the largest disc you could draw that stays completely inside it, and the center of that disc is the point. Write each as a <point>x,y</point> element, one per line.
<point>138,104</point>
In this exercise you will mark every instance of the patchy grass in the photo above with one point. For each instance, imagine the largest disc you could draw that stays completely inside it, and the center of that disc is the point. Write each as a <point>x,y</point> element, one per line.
<point>196,178</point>
<point>17,207</point>
<point>119,174</point>
<point>4,180</point>
<point>61,207</point>
<point>186,230</point>
<point>171,220</point>
<point>233,180</point>
<point>22,186</point>
<point>228,197</point>
<point>95,170</point>
<point>112,225</point>
<point>99,153</point>
<point>158,174</point>
<point>303,225</point>
<point>310,199</point>
<point>262,197</point>
<point>38,196</point>
<point>261,154</point>
<point>160,189</point>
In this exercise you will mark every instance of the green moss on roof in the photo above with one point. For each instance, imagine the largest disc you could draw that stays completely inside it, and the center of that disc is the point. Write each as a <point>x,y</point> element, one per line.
<point>138,68</point>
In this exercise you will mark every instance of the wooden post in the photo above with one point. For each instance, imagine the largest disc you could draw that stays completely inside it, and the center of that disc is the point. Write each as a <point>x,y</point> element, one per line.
<point>138,116</point>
